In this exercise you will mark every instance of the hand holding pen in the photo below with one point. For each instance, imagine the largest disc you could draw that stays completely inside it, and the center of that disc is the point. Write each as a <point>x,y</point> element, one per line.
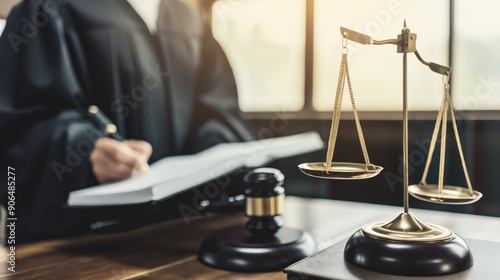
<point>114,158</point>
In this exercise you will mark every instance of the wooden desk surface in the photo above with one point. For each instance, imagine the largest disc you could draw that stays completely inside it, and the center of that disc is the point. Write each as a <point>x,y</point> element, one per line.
<point>168,250</point>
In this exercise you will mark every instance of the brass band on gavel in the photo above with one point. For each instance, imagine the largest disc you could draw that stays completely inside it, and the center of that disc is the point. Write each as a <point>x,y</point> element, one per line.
<point>265,206</point>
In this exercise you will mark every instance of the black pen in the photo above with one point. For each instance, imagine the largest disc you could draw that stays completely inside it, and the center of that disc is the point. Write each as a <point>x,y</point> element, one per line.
<point>110,130</point>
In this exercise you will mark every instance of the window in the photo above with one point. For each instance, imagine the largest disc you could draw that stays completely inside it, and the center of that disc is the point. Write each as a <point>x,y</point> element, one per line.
<point>266,44</point>
<point>376,71</point>
<point>476,63</point>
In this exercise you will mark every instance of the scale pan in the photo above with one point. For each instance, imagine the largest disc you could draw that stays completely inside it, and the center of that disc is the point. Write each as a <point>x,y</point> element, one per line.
<point>340,170</point>
<point>450,194</point>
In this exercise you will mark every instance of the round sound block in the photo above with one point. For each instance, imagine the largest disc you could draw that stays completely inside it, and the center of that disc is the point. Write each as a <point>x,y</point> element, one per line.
<point>408,258</point>
<point>235,249</point>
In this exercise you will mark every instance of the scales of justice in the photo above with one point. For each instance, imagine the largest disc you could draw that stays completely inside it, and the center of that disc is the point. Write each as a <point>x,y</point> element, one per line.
<point>405,245</point>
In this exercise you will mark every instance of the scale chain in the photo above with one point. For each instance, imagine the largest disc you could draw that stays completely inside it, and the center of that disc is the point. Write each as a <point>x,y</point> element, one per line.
<point>441,122</point>
<point>343,76</point>
<point>459,145</point>
<point>435,134</point>
<point>336,113</point>
<point>442,155</point>
<point>356,118</point>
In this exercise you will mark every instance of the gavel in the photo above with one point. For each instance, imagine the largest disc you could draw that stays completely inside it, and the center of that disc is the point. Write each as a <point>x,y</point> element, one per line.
<point>264,200</point>
<point>263,243</point>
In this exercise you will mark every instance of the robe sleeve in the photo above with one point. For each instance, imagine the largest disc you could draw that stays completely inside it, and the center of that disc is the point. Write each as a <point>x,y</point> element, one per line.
<point>217,115</point>
<point>46,136</point>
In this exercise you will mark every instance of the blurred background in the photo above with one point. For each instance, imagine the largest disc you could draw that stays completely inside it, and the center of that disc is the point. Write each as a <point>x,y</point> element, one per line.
<point>286,54</point>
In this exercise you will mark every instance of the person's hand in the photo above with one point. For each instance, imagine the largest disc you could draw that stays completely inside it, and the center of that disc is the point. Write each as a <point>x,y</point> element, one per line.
<point>114,161</point>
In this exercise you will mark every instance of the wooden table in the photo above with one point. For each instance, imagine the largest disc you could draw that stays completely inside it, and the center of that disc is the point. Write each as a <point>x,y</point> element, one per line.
<point>168,250</point>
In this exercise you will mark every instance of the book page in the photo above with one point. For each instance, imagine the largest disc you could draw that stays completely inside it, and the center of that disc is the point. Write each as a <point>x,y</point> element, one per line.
<point>175,174</point>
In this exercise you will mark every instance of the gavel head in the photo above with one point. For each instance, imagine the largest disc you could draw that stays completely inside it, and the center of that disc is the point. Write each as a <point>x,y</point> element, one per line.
<point>264,197</point>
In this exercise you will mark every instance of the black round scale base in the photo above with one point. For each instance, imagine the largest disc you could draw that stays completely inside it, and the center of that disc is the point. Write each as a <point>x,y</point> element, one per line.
<point>235,249</point>
<point>408,258</point>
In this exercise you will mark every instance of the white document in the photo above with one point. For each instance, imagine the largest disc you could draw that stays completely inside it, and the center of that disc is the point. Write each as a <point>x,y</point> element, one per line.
<point>173,175</point>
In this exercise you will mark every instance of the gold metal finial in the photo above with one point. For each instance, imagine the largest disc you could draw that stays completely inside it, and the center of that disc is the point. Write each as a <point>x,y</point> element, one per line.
<point>110,129</point>
<point>93,109</point>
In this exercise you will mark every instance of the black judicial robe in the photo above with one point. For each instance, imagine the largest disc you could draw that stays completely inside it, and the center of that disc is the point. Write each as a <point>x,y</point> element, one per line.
<point>174,89</point>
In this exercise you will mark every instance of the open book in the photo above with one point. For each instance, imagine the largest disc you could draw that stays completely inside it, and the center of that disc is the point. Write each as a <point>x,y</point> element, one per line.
<point>173,175</point>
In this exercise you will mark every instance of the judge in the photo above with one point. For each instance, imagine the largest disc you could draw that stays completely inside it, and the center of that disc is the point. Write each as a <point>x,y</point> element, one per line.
<point>152,67</point>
